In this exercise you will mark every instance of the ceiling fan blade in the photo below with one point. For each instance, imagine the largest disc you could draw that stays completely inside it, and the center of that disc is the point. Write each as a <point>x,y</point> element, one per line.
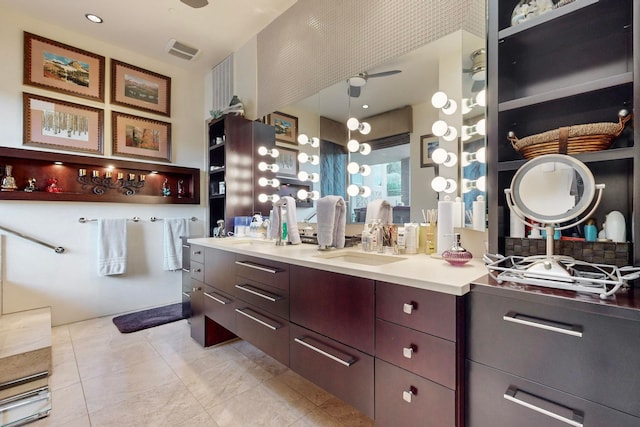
<point>384,73</point>
<point>354,91</point>
<point>477,86</point>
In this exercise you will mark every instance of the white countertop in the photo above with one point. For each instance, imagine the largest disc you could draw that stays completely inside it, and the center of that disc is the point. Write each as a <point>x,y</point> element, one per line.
<point>419,270</point>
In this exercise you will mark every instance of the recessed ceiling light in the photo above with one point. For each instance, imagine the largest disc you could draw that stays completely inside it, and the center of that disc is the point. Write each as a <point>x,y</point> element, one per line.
<point>365,106</point>
<point>93,18</point>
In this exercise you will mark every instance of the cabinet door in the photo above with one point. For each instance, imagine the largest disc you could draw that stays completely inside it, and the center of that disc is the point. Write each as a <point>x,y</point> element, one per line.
<point>335,305</point>
<point>337,368</point>
<point>220,307</point>
<point>405,399</point>
<point>498,399</point>
<point>592,356</point>
<point>219,269</point>
<point>274,300</point>
<point>272,273</point>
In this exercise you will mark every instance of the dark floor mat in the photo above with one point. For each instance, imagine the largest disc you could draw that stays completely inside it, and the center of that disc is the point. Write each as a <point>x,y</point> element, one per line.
<point>139,320</point>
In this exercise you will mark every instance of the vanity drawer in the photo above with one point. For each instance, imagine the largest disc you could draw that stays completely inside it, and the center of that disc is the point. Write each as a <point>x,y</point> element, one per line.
<point>220,307</point>
<point>589,355</point>
<point>269,298</point>
<point>335,305</point>
<point>425,311</point>
<point>197,271</point>
<point>196,253</point>
<point>405,399</point>
<point>219,269</point>
<point>498,399</point>
<point>264,330</point>
<point>426,355</point>
<point>337,368</point>
<point>272,273</point>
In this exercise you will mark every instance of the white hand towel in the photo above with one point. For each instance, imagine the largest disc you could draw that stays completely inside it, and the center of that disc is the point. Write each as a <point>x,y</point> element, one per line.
<point>174,228</point>
<point>112,246</point>
<point>379,209</point>
<point>332,219</point>
<point>293,234</point>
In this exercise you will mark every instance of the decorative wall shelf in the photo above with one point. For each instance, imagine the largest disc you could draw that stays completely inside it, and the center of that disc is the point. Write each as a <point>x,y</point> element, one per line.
<point>86,179</point>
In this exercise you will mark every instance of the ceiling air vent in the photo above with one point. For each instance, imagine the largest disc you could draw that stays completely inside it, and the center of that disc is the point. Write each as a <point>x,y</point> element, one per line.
<point>181,50</point>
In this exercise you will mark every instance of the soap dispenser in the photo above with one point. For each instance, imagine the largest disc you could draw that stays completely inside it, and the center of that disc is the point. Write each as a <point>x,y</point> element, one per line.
<point>457,255</point>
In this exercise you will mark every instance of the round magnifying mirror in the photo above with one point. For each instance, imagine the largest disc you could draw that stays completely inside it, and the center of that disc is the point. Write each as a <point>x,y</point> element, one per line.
<point>553,188</point>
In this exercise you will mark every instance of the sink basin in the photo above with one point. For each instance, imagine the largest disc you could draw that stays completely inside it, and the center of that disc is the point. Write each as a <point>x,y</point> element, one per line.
<point>364,258</point>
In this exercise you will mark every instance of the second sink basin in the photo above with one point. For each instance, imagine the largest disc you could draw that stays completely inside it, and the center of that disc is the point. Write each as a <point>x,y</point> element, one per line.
<point>356,257</point>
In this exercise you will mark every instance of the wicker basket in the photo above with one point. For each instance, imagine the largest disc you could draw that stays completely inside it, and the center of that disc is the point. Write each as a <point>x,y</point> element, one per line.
<point>570,139</point>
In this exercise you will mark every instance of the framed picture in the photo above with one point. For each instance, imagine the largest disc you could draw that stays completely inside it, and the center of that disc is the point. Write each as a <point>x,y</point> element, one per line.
<point>290,187</point>
<point>63,68</point>
<point>286,127</point>
<point>428,143</point>
<point>288,162</point>
<point>140,137</point>
<point>141,89</point>
<point>64,125</point>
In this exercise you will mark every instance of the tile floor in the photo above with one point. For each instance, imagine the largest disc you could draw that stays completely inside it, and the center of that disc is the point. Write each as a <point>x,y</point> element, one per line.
<point>161,377</point>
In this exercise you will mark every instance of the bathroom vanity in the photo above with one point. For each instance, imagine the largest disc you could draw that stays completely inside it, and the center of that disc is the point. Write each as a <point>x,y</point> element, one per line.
<point>384,333</point>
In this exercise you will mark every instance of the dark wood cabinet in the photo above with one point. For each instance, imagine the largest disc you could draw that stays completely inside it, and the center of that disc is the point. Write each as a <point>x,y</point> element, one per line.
<point>129,181</point>
<point>186,278</point>
<point>335,305</point>
<point>219,269</point>
<point>198,332</point>
<point>569,66</point>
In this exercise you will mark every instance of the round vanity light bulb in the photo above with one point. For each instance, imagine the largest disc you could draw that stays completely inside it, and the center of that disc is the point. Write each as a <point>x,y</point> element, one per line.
<point>451,134</point>
<point>365,170</point>
<point>452,186</point>
<point>451,160</point>
<point>481,155</point>
<point>353,168</point>
<point>467,106</point>
<point>467,159</point>
<point>314,177</point>
<point>438,184</point>
<point>303,175</point>
<point>481,98</point>
<point>450,107</point>
<point>263,166</point>
<point>353,190</point>
<point>353,123</point>
<point>365,149</point>
<point>303,194</point>
<point>314,160</point>
<point>439,155</point>
<point>353,145</point>
<point>481,184</point>
<point>365,128</point>
<point>439,99</point>
<point>262,198</point>
<point>481,127</point>
<point>303,157</point>
<point>303,139</point>
<point>365,191</point>
<point>263,182</point>
<point>274,153</point>
<point>262,150</point>
<point>439,128</point>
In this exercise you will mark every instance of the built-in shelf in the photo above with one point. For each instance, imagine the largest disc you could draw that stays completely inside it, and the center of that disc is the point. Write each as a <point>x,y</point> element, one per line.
<point>592,157</point>
<point>139,182</point>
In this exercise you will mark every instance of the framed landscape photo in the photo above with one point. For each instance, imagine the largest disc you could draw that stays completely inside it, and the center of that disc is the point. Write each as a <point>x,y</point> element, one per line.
<point>428,143</point>
<point>286,127</point>
<point>140,138</point>
<point>63,125</point>
<point>63,68</point>
<point>287,161</point>
<point>141,89</point>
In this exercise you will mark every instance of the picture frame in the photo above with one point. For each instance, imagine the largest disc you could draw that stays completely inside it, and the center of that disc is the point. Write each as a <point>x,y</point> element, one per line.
<point>140,138</point>
<point>141,89</point>
<point>62,125</point>
<point>290,187</point>
<point>428,143</point>
<point>286,127</point>
<point>62,68</point>
<point>287,161</point>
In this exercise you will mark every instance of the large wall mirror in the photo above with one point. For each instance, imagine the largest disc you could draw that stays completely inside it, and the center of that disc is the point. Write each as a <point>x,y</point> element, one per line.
<point>395,99</point>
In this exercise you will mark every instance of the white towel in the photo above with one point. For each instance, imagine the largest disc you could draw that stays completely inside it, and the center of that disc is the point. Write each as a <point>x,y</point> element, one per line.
<point>174,228</point>
<point>293,234</point>
<point>332,220</point>
<point>112,246</point>
<point>379,209</point>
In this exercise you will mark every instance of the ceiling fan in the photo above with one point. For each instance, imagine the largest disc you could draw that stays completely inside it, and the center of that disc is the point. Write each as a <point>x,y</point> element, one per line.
<point>360,79</point>
<point>478,69</point>
<point>195,3</point>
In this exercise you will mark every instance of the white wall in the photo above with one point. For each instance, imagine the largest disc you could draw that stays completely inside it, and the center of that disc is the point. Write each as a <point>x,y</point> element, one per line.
<point>33,276</point>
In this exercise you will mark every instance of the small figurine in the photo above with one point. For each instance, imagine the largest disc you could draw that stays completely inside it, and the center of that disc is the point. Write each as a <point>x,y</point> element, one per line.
<point>52,186</point>
<point>166,191</point>
<point>31,186</point>
<point>8,182</point>
<point>181,192</point>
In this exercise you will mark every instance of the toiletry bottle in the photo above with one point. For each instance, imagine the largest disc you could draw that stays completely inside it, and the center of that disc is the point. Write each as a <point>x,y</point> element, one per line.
<point>284,225</point>
<point>457,255</point>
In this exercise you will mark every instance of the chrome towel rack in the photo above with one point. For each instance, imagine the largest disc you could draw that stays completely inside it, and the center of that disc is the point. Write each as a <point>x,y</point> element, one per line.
<point>56,249</point>
<point>154,219</point>
<point>83,220</point>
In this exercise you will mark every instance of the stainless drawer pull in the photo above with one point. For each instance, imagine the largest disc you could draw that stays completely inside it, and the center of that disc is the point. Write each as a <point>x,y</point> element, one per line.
<point>258,267</point>
<point>186,294</point>
<point>543,406</point>
<point>258,292</point>
<point>25,398</point>
<point>255,318</point>
<point>216,299</point>
<point>408,307</point>
<point>407,395</point>
<point>563,328</point>
<point>186,270</point>
<point>408,351</point>
<point>198,252</point>
<point>345,360</point>
<point>197,270</point>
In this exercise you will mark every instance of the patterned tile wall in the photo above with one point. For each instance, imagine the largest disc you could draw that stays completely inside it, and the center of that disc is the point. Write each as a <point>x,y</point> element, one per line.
<point>315,44</point>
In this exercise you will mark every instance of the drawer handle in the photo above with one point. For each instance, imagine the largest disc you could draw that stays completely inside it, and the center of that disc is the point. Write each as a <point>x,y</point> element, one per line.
<point>27,398</point>
<point>407,395</point>
<point>408,351</point>
<point>186,270</point>
<point>256,318</point>
<point>543,406</point>
<point>563,328</point>
<point>196,289</point>
<point>258,267</point>
<point>409,307</point>
<point>186,294</point>
<point>196,252</point>
<point>221,300</point>
<point>345,360</point>
<point>258,292</point>
<point>197,270</point>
